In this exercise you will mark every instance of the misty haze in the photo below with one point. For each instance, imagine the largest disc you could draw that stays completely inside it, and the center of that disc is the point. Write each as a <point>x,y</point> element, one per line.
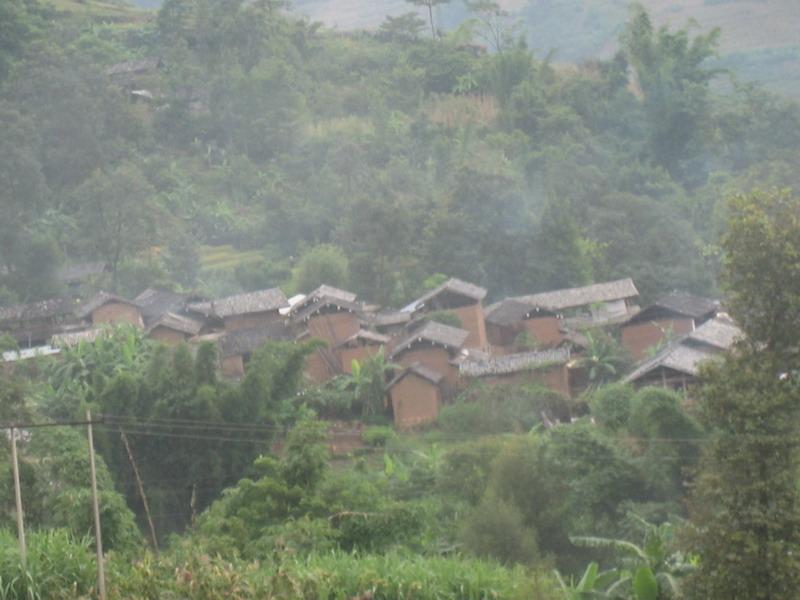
<point>400,299</point>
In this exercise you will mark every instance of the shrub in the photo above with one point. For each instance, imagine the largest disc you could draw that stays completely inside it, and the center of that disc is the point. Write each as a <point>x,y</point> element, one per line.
<point>378,436</point>
<point>503,409</point>
<point>496,529</point>
<point>611,405</point>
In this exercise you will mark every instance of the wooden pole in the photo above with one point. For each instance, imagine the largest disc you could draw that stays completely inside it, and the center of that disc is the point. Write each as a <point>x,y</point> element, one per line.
<point>23,551</point>
<point>140,486</point>
<point>98,535</point>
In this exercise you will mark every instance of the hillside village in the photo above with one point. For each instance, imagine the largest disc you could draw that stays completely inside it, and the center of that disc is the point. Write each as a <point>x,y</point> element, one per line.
<point>437,345</point>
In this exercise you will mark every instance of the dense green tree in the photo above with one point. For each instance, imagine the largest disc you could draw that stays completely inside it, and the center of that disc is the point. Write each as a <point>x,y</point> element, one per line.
<point>747,504</point>
<point>118,207</point>
<point>326,264</point>
<point>402,28</point>
<point>762,267</point>
<point>429,4</point>
<point>674,81</point>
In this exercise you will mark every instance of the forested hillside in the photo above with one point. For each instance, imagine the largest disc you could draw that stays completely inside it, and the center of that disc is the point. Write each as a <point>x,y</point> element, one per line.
<point>239,136</point>
<point>222,146</point>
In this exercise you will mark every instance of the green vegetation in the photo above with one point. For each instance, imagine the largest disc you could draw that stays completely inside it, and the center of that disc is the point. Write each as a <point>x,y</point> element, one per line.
<point>268,150</point>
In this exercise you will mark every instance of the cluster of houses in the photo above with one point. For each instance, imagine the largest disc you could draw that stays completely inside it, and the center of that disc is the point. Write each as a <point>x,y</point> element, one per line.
<point>439,343</point>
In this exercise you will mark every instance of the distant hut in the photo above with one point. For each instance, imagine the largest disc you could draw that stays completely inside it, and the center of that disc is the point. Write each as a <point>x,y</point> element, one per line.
<point>434,346</point>
<point>509,319</point>
<point>415,396</point>
<point>333,316</point>
<point>360,346</point>
<point>678,365</point>
<point>35,323</point>
<point>462,299</point>
<point>104,307</point>
<point>591,305</point>
<point>251,310</point>
<point>172,329</point>
<point>547,367</point>
<point>673,315</point>
<point>237,347</point>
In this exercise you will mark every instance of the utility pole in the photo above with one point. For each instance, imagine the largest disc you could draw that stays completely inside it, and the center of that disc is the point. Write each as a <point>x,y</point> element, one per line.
<point>140,486</point>
<point>98,536</point>
<point>23,552</point>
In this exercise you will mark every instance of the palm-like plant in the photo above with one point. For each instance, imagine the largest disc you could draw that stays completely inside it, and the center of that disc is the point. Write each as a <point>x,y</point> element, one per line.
<point>604,359</point>
<point>650,571</point>
<point>368,382</point>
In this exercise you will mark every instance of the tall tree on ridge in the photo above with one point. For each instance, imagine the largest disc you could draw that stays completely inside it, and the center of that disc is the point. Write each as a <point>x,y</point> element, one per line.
<point>429,4</point>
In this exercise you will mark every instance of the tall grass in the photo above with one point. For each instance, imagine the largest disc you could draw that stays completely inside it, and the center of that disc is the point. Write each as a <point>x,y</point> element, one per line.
<point>327,576</point>
<point>59,567</point>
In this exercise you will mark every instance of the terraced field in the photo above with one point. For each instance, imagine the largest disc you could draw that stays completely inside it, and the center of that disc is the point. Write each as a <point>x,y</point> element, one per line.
<point>225,257</point>
<point>100,9</point>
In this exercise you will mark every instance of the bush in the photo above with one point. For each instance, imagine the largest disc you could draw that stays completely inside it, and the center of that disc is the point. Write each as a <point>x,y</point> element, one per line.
<point>611,405</point>
<point>503,409</point>
<point>496,529</point>
<point>466,468</point>
<point>378,436</point>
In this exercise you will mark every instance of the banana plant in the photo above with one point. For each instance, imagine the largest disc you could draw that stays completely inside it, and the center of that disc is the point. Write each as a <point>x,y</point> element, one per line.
<point>591,586</point>
<point>650,571</point>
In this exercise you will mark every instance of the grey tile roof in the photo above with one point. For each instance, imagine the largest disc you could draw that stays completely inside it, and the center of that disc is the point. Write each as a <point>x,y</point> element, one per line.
<point>583,296</point>
<point>513,363</point>
<point>246,341</point>
<point>333,292</point>
<point>309,309</point>
<point>453,285</point>
<point>435,333</point>
<point>367,336</point>
<point>720,333</point>
<point>387,317</point>
<point>155,303</point>
<point>678,303</point>
<point>512,310</point>
<point>251,302</point>
<point>418,370</point>
<point>55,307</point>
<point>175,322</point>
<point>677,357</point>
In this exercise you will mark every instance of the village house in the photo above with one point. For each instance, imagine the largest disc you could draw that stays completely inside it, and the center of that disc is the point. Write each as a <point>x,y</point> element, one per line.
<point>674,315</point>
<point>166,315</point>
<point>359,347</point>
<point>333,316</point>
<point>678,365</point>
<point>386,321</point>
<point>237,347</point>
<point>462,299</point>
<point>592,305</point>
<point>545,367</point>
<point>109,308</point>
<point>35,323</point>
<point>434,346</point>
<point>172,329</point>
<point>251,310</point>
<point>330,315</point>
<point>415,396</point>
<point>513,321</point>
